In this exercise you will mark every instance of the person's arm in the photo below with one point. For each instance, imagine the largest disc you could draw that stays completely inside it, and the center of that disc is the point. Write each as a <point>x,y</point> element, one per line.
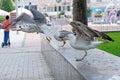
<point>1,26</point>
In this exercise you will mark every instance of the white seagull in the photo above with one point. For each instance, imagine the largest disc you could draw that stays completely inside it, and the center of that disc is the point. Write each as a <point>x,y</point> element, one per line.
<point>85,38</point>
<point>26,24</point>
<point>61,36</point>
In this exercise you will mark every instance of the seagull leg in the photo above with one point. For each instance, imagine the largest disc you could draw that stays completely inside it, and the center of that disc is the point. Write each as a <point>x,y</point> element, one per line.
<point>48,39</point>
<point>18,30</point>
<point>80,59</point>
<point>64,41</point>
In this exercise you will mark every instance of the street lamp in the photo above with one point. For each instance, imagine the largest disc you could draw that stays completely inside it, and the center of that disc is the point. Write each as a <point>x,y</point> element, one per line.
<point>0,3</point>
<point>16,5</point>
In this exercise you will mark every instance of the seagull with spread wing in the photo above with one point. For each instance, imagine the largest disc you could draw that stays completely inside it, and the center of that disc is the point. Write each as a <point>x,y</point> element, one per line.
<point>39,24</point>
<point>85,38</point>
<point>26,24</point>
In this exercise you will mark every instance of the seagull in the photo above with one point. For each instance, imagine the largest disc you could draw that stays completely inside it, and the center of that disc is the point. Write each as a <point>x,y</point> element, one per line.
<point>61,36</point>
<point>85,38</point>
<point>26,24</point>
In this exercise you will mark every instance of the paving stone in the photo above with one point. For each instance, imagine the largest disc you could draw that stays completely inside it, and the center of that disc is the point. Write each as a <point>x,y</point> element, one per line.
<point>24,61</point>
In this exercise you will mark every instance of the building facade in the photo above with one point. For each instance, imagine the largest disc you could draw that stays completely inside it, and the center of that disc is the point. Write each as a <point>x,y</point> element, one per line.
<point>55,7</point>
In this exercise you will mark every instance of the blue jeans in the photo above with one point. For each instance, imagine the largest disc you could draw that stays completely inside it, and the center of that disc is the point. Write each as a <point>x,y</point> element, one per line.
<point>6,37</point>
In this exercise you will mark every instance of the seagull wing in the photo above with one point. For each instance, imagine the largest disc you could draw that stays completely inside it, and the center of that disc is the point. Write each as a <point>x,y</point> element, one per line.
<point>27,22</point>
<point>23,18</point>
<point>49,30</point>
<point>39,18</point>
<point>80,33</point>
<point>64,33</point>
<point>84,30</point>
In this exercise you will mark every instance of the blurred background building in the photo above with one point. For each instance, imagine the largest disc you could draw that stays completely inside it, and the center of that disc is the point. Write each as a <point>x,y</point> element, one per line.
<point>97,9</point>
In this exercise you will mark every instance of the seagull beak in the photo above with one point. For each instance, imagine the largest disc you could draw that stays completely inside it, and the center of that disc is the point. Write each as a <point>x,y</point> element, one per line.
<point>19,28</point>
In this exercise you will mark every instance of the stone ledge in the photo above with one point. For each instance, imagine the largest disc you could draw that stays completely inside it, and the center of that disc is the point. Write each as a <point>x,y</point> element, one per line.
<point>98,65</point>
<point>60,67</point>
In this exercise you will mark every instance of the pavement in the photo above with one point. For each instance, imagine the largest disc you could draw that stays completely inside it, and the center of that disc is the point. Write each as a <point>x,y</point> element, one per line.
<point>23,59</point>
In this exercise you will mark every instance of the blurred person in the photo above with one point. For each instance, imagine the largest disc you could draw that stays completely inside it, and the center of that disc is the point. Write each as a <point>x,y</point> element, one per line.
<point>6,26</point>
<point>113,16</point>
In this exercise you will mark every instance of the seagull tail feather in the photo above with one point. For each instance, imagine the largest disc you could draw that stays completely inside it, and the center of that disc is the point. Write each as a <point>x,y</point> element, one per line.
<point>104,36</point>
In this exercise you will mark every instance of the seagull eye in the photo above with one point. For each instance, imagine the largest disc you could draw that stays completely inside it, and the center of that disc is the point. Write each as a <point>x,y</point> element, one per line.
<point>19,26</point>
<point>79,24</point>
<point>74,33</point>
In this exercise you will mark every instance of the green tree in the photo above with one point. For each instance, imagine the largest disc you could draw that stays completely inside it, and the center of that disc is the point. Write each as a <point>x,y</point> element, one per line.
<point>2,18</point>
<point>89,12</point>
<point>7,5</point>
<point>15,0</point>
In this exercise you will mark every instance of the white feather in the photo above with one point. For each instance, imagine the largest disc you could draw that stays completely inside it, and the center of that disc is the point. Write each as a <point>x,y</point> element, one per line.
<point>49,30</point>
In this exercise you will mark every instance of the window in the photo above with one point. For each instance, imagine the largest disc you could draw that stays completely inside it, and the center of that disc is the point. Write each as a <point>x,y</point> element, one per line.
<point>68,8</point>
<point>55,9</point>
<point>59,8</point>
<point>63,8</point>
<point>48,9</point>
<point>52,9</point>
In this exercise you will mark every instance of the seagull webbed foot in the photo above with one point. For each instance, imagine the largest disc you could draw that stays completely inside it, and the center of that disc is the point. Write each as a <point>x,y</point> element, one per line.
<point>64,42</point>
<point>49,39</point>
<point>81,58</point>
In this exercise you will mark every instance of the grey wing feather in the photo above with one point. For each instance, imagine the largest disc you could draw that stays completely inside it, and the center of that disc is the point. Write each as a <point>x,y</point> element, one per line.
<point>88,32</point>
<point>39,18</point>
<point>24,18</point>
<point>64,33</point>
<point>83,29</point>
<point>80,33</point>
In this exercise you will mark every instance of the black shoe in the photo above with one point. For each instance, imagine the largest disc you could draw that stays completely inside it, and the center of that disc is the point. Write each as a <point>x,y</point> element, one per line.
<point>2,44</point>
<point>8,43</point>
